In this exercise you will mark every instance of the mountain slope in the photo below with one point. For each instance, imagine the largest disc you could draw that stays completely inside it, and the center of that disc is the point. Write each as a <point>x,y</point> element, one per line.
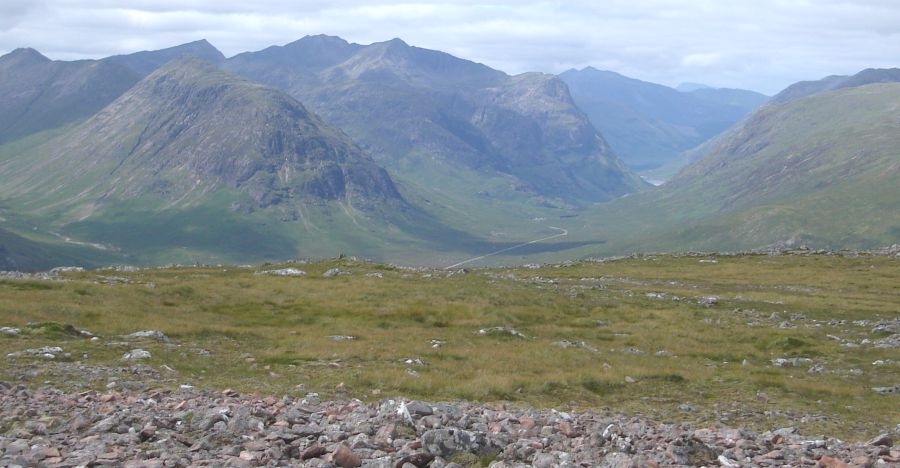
<point>830,83</point>
<point>649,124</point>
<point>145,62</point>
<point>448,123</point>
<point>41,94</point>
<point>822,170</point>
<point>192,157</point>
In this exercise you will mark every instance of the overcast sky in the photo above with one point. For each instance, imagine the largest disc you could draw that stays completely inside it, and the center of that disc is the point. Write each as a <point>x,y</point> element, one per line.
<point>763,45</point>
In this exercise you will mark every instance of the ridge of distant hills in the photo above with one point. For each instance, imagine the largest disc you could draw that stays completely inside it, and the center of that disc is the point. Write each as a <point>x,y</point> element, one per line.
<point>41,94</point>
<point>196,153</point>
<point>649,125</point>
<point>830,83</point>
<point>421,112</point>
<point>821,171</point>
<point>396,152</point>
<point>189,129</point>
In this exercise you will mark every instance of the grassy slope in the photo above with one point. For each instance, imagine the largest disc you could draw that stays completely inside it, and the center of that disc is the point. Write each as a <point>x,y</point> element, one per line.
<point>268,334</point>
<point>450,226</point>
<point>822,171</point>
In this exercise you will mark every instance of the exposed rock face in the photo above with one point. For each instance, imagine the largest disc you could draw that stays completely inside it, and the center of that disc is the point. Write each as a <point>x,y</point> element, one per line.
<point>412,107</point>
<point>189,129</point>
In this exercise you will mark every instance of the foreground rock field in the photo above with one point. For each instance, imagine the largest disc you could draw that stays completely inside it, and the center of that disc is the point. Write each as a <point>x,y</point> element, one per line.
<point>192,428</point>
<point>784,359</point>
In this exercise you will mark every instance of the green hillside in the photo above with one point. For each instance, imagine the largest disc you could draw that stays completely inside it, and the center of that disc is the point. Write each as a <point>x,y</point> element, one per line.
<point>649,125</point>
<point>822,171</point>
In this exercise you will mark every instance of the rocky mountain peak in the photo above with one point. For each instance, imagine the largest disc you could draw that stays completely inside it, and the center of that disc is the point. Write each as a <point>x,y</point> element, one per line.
<point>190,129</point>
<point>146,62</point>
<point>22,56</point>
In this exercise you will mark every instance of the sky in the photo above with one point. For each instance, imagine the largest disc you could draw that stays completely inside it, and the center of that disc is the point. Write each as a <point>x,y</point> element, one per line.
<point>763,45</point>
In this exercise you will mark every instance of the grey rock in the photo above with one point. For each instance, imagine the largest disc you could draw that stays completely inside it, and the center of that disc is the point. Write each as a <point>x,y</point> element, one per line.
<point>500,331</point>
<point>617,460</point>
<point>545,460</point>
<point>149,334</point>
<point>66,269</point>
<point>136,355</point>
<point>46,352</point>
<point>895,390</point>
<point>684,407</point>
<point>419,408</point>
<point>341,337</point>
<point>446,442</point>
<point>574,344</point>
<point>892,341</point>
<point>883,440</point>
<point>332,272</point>
<point>791,362</point>
<point>294,272</point>
<point>708,301</point>
<point>419,460</point>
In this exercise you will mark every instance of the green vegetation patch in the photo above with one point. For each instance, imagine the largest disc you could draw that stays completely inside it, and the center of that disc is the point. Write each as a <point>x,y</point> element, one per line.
<point>787,339</point>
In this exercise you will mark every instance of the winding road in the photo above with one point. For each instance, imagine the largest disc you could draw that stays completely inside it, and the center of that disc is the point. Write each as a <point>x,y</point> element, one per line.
<point>564,232</point>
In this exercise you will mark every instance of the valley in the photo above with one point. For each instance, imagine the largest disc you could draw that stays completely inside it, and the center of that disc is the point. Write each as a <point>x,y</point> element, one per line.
<point>328,253</point>
<point>402,154</point>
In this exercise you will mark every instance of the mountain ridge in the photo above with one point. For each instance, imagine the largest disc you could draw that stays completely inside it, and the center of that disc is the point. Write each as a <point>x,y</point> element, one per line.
<point>834,82</point>
<point>445,109</point>
<point>190,116</point>
<point>650,124</point>
<point>820,171</point>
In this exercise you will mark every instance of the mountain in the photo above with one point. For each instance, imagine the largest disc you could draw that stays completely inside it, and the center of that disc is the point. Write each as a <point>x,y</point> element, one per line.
<point>688,87</point>
<point>740,98</point>
<point>648,124</point>
<point>446,124</point>
<point>145,62</point>
<point>833,82</point>
<point>821,171</point>
<point>41,94</point>
<point>192,156</point>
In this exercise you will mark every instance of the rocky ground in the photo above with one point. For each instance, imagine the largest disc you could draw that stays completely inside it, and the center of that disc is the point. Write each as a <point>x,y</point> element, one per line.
<point>188,427</point>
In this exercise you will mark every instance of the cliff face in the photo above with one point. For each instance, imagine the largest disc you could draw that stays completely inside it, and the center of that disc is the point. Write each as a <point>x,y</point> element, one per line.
<point>414,107</point>
<point>190,129</point>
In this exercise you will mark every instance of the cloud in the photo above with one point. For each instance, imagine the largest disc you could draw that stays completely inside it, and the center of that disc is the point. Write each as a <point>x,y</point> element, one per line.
<point>12,12</point>
<point>765,45</point>
<point>702,60</point>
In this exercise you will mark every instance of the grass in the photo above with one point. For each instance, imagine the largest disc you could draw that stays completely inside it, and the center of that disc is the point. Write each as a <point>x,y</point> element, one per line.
<point>270,335</point>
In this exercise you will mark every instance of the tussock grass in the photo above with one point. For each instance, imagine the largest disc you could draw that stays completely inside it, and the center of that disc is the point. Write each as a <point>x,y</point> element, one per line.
<point>270,335</point>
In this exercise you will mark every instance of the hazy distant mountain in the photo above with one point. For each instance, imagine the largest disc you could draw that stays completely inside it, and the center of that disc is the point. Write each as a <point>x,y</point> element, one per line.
<point>829,83</point>
<point>689,87</point>
<point>424,113</point>
<point>145,62</point>
<point>648,124</point>
<point>40,94</point>
<point>822,170</point>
